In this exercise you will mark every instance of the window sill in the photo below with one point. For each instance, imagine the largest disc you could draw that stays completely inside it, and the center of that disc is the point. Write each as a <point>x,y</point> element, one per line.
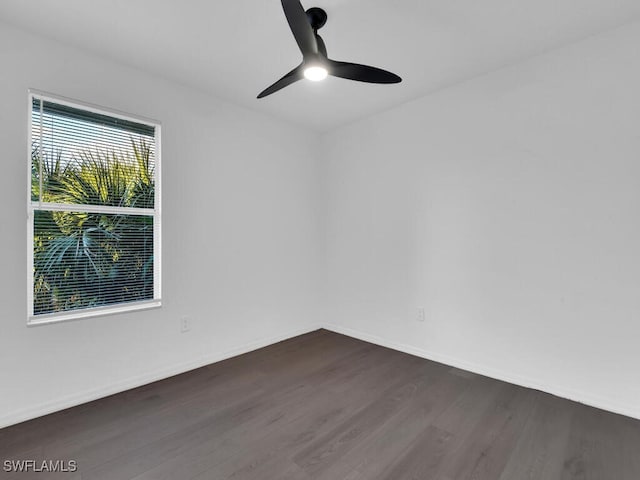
<point>37,320</point>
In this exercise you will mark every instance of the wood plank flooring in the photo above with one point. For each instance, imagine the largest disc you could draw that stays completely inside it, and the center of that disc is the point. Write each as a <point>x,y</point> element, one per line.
<point>324,406</point>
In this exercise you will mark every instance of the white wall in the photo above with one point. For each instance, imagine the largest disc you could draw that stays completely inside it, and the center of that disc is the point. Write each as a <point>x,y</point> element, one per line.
<point>509,207</point>
<point>240,235</point>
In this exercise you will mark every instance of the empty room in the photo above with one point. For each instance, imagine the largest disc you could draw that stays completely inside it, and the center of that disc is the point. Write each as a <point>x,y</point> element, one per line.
<point>320,240</point>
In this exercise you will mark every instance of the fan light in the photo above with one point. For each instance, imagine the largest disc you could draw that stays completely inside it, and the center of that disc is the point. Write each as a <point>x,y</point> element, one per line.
<point>315,74</point>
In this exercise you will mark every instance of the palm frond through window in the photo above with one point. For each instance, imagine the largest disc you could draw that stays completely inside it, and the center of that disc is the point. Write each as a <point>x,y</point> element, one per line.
<point>94,219</point>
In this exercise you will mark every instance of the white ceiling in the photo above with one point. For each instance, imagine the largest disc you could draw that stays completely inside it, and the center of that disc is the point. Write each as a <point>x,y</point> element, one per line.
<point>236,48</point>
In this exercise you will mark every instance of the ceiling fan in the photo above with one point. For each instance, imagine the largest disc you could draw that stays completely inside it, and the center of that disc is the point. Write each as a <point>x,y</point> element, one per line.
<point>315,64</point>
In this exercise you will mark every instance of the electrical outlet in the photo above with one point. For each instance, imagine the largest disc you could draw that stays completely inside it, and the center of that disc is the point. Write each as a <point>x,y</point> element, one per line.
<point>421,315</point>
<point>185,324</point>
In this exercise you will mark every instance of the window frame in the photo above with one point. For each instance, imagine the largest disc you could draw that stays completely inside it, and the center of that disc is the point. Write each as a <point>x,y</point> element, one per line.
<point>33,205</point>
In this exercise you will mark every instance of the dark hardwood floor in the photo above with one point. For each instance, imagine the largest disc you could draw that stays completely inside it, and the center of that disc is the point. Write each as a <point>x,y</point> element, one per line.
<point>325,406</point>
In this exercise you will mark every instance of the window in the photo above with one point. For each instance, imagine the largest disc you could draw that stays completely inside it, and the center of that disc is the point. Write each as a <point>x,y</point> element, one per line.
<point>94,211</point>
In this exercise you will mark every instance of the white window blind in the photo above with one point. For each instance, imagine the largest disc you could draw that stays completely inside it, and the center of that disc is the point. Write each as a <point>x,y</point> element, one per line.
<point>94,211</point>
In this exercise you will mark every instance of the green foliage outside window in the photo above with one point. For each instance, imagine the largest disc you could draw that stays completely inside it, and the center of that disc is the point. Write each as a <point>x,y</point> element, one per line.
<point>84,260</point>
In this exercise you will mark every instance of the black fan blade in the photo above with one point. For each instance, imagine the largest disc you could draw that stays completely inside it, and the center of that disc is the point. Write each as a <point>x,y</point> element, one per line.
<point>291,77</point>
<point>300,27</point>
<point>361,73</point>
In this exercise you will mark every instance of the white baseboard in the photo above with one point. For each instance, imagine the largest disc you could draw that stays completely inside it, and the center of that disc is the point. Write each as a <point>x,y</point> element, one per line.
<point>537,384</point>
<point>608,404</point>
<point>46,408</point>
